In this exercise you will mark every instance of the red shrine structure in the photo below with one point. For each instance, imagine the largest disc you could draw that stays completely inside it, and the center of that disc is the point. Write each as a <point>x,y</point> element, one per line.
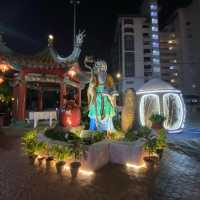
<point>40,72</point>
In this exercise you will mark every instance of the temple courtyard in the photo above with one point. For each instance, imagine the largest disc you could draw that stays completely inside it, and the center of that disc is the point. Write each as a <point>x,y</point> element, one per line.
<point>176,177</point>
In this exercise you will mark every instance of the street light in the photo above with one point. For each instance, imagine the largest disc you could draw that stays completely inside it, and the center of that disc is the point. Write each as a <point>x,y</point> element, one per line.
<point>74,3</point>
<point>118,75</point>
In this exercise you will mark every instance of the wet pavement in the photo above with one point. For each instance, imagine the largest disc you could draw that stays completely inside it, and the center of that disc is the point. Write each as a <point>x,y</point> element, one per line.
<point>177,177</point>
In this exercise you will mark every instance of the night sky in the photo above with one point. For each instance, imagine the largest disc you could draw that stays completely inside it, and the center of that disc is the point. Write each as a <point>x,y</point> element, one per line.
<point>27,23</point>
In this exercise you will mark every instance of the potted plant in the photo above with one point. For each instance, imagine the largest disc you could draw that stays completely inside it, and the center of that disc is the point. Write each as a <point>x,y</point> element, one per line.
<point>40,150</point>
<point>150,147</point>
<point>29,145</point>
<point>157,121</point>
<point>161,142</point>
<point>76,150</point>
<point>60,153</point>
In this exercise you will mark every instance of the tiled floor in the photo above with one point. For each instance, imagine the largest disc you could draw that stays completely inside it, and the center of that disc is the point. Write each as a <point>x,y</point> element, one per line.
<point>177,177</point>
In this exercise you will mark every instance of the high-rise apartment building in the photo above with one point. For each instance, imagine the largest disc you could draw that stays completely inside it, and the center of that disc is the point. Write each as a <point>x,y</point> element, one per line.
<point>131,52</point>
<point>169,58</point>
<point>184,26</point>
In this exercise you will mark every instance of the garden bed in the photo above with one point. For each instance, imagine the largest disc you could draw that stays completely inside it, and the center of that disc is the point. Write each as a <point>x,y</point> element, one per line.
<point>99,154</point>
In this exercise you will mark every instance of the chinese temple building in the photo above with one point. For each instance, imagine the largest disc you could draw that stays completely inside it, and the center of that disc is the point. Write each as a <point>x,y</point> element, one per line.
<point>40,73</point>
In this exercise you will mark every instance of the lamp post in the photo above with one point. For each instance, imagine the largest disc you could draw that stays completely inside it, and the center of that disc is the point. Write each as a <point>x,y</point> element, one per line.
<point>74,3</point>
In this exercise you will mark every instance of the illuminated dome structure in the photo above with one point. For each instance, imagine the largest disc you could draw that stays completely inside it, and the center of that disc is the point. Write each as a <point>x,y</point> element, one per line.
<point>157,96</point>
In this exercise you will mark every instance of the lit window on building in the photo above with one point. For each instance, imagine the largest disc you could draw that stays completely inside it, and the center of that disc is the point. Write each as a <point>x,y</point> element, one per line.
<point>156,69</point>
<point>170,48</point>
<point>153,7</point>
<point>172,42</point>
<point>156,53</point>
<point>175,61</point>
<point>156,61</point>
<point>155,44</point>
<point>155,36</point>
<point>175,74</point>
<point>172,81</point>
<point>154,28</point>
<point>172,67</point>
<point>154,14</point>
<point>154,21</point>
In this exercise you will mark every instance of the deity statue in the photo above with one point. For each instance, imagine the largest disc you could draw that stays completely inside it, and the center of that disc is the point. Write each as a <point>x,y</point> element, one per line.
<point>101,97</point>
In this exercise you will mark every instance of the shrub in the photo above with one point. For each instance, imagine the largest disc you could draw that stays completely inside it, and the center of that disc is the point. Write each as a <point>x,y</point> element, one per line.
<point>157,118</point>
<point>56,134</point>
<point>29,137</point>
<point>142,132</point>
<point>131,136</point>
<point>60,152</point>
<point>161,139</point>
<point>150,145</point>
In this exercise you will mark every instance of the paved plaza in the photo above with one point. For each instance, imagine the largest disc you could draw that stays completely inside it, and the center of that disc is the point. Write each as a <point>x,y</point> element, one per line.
<point>177,177</point>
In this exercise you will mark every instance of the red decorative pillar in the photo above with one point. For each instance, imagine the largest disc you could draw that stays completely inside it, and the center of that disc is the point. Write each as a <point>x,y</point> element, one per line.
<point>21,102</point>
<point>40,100</point>
<point>14,105</point>
<point>62,94</point>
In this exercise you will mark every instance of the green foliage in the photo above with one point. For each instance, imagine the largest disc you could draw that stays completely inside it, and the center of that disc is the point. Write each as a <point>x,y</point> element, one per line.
<point>60,153</point>
<point>31,146</point>
<point>97,136</point>
<point>5,92</point>
<point>150,145</point>
<point>161,142</point>
<point>142,132</point>
<point>76,149</point>
<point>40,148</point>
<point>56,134</point>
<point>59,134</point>
<point>29,137</point>
<point>157,118</point>
<point>77,130</point>
<point>131,136</point>
<point>117,124</point>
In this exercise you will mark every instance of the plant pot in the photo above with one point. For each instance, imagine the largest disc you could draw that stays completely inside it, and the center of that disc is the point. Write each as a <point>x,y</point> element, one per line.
<point>40,160</point>
<point>150,161</point>
<point>156,126</point>
<point>32,159</point>
<point>50,162</point>
<point>60,167</point>
<point>160,153</point>
<point>74,167</point>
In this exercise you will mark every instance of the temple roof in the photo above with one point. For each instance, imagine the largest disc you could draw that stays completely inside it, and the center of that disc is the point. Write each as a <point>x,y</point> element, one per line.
<point>17,60</point>
<point>156,85</point>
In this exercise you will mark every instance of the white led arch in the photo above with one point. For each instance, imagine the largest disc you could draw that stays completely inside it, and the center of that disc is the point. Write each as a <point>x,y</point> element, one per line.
<point>146,108</point>
<point>176,109</point>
